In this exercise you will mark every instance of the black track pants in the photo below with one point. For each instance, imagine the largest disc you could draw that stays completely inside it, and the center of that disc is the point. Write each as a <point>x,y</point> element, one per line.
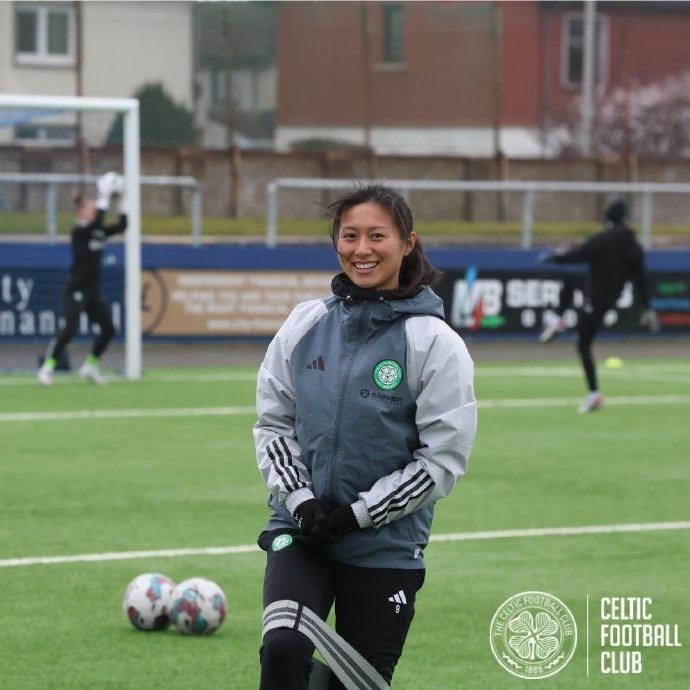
<point>98,311</point>
<point>588,326</point>
<point>566,294</point>
<point>365,615</point>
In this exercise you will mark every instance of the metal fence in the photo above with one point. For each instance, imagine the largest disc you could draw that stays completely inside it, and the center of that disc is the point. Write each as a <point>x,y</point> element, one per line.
<point>52,180</point>
<point>528,189</point>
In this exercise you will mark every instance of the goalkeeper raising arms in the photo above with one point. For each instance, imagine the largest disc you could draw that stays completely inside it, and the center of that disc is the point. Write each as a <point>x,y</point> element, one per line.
<point>82,292</point>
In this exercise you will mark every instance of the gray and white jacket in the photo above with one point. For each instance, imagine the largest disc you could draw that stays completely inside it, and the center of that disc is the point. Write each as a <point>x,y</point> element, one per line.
<point>368,402</point>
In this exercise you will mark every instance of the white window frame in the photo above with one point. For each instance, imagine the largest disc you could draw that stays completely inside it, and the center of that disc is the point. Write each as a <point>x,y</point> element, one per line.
<point>43,140</point>
<point>601,71</point>
<point>386,61</point>
<point>42,56</point>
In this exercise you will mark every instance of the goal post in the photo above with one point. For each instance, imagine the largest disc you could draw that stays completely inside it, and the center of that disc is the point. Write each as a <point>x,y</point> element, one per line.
<point>129,108</point>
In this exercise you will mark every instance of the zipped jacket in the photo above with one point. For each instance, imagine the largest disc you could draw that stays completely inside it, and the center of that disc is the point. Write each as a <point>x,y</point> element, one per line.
<point>368,402</point>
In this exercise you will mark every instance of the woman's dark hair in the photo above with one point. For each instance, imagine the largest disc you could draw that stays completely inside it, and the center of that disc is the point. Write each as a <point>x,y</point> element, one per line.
<point>415,270</point>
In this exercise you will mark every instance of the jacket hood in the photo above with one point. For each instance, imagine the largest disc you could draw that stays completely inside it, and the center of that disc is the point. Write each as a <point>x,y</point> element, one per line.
<point>424,302</point>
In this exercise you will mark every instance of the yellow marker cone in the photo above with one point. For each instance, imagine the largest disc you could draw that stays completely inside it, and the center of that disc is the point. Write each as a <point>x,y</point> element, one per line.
<point>613,362</point>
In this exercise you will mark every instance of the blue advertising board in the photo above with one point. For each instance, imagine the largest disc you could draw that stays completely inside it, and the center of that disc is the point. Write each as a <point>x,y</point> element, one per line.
<point>497,291</point>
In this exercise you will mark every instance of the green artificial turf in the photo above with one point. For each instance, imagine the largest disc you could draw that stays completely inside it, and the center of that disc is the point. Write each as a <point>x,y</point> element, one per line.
<point>91,486</point>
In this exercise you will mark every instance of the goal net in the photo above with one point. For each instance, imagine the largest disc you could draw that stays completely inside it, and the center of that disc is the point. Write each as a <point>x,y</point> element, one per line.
<point>51,150</point>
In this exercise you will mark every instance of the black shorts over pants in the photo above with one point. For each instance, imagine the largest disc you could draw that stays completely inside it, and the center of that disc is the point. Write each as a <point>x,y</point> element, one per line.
<point>374,608</point>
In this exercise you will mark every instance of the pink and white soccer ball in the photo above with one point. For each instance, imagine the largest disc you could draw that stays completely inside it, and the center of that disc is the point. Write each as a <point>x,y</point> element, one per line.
<point>147,601</point>
<point>199,606</point>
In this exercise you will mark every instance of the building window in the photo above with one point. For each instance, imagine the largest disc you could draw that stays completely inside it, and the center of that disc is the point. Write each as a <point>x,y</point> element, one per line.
<point>218,84</point>
<point>53,135</point>
<point>45,34</point>
<point>393,33</point>
<point>572,50</point>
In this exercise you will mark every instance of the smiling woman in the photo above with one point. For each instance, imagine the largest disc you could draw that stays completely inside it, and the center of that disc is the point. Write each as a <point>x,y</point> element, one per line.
<point>378,249</point>
<point>370,248</point>
<point>366,418</point>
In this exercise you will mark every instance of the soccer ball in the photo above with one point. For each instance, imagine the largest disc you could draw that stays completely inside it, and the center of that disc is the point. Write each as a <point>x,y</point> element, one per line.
<point>199,607</point>
<point>147,601</point>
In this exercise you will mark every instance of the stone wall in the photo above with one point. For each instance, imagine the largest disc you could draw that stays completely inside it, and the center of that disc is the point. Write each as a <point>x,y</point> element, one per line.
<point>258,168</point>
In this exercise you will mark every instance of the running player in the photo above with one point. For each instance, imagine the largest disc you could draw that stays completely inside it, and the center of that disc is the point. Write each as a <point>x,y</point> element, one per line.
<point>614,256</point>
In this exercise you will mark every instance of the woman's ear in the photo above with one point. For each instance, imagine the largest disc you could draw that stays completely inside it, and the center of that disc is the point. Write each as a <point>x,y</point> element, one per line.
<point>411,241</point>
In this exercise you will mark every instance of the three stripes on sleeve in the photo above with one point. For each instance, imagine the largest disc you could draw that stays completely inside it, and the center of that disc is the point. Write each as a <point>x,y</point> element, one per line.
<point>404,497</point>
<point>282,461</point>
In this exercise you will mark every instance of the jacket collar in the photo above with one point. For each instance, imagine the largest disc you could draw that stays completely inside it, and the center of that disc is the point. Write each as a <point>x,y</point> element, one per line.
<point>394,303</point>
<point>342,286</point>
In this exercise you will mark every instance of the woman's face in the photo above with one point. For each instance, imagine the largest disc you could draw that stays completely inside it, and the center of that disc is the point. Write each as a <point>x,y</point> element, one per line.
<point>370,249</point>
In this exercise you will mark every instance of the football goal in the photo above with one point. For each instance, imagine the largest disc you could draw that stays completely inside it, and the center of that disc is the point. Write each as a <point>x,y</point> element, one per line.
<point>60,145</point>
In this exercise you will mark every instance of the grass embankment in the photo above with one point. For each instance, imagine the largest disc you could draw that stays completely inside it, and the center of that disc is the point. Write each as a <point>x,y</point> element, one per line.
<point>12,223</point>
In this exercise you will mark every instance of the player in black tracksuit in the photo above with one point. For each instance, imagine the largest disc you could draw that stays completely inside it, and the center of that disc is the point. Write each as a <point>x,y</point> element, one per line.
<point>614,257</point>
<point>82,292</point>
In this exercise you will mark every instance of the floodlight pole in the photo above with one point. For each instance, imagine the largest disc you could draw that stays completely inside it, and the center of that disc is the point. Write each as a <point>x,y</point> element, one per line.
<point>588,78</point>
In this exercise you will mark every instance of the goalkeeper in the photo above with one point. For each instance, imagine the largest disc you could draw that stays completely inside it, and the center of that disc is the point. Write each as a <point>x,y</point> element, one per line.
<point>82,292</point>
<point>614,256</point>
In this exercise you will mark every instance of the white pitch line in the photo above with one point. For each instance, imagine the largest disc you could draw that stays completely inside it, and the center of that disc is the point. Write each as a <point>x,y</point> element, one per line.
<point>125,414</point>
<point>66,380</point>
<point>558,372</point>
<point>252,548</point>
<point>631,370</point>
<point>562,531</point>
<point>507,403</point>
<point>201,378</point>
<point>647,378</point>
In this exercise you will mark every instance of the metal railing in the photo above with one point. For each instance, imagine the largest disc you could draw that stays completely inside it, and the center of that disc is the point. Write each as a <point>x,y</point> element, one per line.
<point>528,189</point>
<point>52,180</point>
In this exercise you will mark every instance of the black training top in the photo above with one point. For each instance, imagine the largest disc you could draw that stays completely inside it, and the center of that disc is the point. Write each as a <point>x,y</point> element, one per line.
<point>614,256</point>
<point>88,242</point>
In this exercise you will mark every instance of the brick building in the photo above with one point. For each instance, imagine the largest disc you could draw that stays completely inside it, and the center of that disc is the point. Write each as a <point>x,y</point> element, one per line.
<point>460,78</point>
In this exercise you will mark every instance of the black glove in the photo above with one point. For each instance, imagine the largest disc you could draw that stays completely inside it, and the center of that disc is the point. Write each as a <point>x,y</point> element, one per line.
<point>308,514</point>
<point>337,523</point>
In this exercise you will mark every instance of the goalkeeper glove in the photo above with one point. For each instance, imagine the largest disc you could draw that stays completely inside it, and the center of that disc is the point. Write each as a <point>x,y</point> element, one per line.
<point>106,186</point>
<point>649,320</point>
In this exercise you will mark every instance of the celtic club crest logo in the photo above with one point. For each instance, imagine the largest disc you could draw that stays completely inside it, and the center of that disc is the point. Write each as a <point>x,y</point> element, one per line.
<point>281,541</point>
<point>388,374</point>
<point>533,635</point>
